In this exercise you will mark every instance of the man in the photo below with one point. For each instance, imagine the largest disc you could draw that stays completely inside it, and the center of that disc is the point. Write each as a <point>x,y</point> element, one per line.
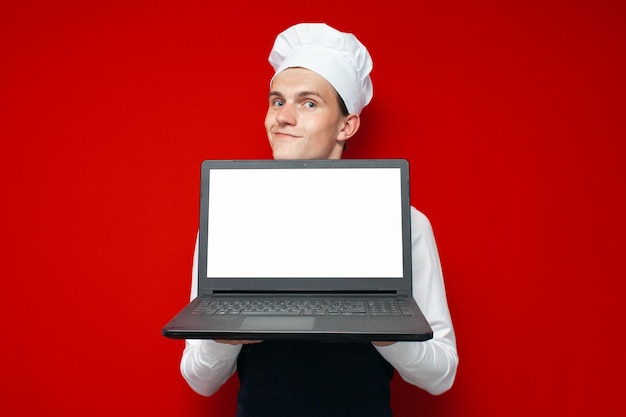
<point>320,86</point>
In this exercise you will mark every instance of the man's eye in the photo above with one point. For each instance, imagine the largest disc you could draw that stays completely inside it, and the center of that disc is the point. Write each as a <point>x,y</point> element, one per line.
<point>310,105</point>
<point>277,103</point>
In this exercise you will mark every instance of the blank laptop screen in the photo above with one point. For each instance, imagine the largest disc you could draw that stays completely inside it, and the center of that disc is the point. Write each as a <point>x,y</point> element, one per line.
<point>305,223</point>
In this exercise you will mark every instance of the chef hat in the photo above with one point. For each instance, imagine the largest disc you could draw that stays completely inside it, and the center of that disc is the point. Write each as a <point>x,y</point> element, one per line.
<point>337,56</point>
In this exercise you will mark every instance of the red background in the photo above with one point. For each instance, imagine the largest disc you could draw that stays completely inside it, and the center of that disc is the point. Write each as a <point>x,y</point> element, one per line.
<point>511,114</point>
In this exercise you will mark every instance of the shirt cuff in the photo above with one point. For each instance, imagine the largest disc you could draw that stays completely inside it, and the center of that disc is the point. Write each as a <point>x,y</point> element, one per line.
<point>219,351</point>
<point>401,353</point>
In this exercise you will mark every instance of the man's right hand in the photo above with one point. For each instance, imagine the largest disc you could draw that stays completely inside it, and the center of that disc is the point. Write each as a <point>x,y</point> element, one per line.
<point>238,342</point>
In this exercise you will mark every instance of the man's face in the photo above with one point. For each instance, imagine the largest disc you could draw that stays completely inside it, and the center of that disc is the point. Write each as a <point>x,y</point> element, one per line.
<point>304,120</point>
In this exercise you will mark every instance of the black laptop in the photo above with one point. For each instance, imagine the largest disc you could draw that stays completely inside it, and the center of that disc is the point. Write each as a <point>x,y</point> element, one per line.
<point>304,250</point>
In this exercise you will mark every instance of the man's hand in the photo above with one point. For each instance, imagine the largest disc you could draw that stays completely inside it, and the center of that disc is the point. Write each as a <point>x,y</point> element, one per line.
<point>383,343</point>
<point>238,342</point>
<point>247,342</point>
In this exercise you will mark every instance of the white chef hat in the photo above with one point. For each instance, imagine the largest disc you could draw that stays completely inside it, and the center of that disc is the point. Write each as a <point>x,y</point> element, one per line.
<point>337,56</point>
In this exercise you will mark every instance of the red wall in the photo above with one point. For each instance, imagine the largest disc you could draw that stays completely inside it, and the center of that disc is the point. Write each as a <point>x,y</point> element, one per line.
<point>512,116</point>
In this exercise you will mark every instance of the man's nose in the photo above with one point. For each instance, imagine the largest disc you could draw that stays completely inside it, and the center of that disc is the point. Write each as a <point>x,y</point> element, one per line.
<point>286,114</point>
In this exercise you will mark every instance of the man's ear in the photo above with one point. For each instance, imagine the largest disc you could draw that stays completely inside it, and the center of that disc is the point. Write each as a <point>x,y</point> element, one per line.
<point>351,124</point>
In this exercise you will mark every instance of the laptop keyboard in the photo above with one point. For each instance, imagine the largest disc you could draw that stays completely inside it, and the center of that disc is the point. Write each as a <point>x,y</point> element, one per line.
<point>377,307</point>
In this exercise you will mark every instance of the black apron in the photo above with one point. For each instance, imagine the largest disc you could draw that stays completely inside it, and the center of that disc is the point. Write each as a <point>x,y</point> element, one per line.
<point>302,379</point>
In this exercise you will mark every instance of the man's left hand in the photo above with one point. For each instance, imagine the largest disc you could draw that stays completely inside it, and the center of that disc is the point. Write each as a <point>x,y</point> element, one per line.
<point>383,343</point>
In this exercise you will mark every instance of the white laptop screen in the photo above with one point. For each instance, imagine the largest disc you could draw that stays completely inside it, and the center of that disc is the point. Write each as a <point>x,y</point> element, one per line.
<point>305,223</point>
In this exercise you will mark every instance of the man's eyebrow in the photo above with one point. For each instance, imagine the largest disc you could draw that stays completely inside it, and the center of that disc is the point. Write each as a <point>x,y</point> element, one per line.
<point>299,95</point>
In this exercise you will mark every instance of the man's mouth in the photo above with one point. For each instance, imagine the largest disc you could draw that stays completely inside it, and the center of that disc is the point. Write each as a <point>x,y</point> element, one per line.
<point>284,135</point>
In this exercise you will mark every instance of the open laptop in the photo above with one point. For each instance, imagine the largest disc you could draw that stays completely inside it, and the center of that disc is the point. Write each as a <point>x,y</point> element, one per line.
<point>304,250</point>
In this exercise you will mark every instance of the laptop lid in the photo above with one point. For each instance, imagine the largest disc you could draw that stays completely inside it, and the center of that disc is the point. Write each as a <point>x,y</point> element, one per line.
<point>305,225</point>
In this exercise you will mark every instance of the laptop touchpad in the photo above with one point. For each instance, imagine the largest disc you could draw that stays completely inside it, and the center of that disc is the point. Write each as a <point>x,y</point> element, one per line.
<point>277,323</point>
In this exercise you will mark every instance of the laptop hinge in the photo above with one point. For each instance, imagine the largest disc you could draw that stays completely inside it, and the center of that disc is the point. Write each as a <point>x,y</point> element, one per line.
<point>303,292</point>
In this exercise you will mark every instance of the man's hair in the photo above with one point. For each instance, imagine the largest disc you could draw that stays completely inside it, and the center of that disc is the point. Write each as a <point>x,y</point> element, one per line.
<point>342,106</point>
<point>344,111</point>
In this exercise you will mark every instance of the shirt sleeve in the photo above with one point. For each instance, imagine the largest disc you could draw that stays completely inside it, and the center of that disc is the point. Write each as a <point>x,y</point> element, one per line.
<point>430,365</point>
<point>206,365</point>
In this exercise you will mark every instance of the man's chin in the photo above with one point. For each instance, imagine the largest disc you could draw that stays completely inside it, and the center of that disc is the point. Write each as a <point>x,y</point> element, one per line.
<point>287,154</point>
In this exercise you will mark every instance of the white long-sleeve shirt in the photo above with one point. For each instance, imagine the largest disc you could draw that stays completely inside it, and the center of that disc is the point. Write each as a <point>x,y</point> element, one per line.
<point>430,365</point>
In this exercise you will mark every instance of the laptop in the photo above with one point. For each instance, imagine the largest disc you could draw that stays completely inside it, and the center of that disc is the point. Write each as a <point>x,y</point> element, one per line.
<point>303,250</point>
